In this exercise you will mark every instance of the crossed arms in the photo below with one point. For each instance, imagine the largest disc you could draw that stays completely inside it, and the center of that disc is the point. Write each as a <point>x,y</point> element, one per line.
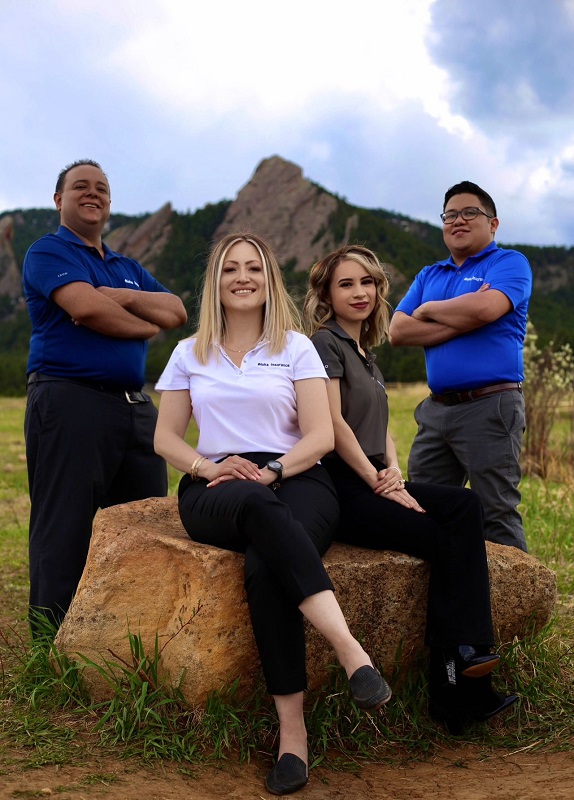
<point>437,321</point>
<point>121,313</point>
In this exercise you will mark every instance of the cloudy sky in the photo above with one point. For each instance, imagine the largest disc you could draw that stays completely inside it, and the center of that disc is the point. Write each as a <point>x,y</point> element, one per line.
<point>384,102</point>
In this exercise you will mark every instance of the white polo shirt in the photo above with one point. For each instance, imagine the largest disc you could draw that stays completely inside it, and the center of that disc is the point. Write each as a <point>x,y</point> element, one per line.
<point>251,408</point>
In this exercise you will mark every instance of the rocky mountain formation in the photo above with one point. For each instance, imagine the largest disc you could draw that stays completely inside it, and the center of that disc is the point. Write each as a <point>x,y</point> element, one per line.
<point>146,240</point>
<point>10,275</point>
<point>289,211</point>
<point>301,220</point>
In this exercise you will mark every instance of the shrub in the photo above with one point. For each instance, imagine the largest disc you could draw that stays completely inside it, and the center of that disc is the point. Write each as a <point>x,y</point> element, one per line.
<point>548,386</point>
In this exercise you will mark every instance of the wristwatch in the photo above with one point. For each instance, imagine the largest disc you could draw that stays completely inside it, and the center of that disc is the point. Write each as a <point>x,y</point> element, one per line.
<point>276,466</point>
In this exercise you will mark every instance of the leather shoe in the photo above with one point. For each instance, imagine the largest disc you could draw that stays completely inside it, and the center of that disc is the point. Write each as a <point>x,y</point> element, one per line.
<point>472,664</point>
<point>490,706</point>
<point>369,689</point>
<point>456,718</point>
<point>288,775</point>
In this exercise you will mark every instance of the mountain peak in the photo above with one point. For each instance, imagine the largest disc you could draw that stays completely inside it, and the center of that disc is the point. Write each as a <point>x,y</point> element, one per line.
<point>287,210</point>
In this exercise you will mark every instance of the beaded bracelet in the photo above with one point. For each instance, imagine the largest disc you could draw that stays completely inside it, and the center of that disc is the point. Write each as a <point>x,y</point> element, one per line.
<point>195,468</point>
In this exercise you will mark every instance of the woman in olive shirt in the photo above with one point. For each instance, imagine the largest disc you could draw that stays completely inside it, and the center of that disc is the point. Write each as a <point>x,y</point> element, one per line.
<point>347,314</point>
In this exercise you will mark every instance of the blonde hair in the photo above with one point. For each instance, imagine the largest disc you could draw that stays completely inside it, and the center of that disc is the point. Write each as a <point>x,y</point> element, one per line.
<point>317,310</point>
<point>280,314</point>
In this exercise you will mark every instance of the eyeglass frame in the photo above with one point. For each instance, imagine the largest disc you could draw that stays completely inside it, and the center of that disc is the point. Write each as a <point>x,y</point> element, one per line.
<point>461,214</point>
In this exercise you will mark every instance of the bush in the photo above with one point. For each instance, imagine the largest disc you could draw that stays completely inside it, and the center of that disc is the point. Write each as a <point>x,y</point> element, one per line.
<point>548,386</point>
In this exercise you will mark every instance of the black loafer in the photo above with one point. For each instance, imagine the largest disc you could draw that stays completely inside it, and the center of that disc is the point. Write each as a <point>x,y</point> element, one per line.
<point>369,689</point>
<point>471,663</point>
<point>288,775</point>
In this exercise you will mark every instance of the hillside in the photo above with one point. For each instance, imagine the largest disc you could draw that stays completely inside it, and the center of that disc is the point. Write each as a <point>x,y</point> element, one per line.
<point>302,221</point>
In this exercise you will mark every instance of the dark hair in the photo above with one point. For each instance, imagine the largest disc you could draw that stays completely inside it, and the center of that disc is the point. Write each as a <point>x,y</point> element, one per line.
<point>468,187</point>
<point>80,163</point>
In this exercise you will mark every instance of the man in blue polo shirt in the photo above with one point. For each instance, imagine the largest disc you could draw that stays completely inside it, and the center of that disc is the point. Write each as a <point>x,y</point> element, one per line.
<point>89,427</point>
<point>469,314</point>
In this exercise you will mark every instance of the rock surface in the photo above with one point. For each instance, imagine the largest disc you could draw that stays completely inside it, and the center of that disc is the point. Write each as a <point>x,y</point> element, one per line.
<point>290,212</point>
<point>145,575</point>
<point>10,276</point>
<point>294,215</point>
<point>146,241</point>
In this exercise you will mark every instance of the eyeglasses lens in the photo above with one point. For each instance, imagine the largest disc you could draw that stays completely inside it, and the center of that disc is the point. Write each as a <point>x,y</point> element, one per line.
<point>467,214</point>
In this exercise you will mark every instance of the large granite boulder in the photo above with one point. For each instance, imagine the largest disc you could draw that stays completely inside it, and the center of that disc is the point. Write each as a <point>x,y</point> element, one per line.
<point>145,576</point>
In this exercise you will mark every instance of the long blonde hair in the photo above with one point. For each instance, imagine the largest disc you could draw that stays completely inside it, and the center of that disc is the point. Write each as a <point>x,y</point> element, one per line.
<point>280,313</point>
<point>317,310</point>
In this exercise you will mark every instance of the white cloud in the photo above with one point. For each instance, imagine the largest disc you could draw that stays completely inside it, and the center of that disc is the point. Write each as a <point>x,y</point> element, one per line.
<point>276,61</point>
<point>384,103</point>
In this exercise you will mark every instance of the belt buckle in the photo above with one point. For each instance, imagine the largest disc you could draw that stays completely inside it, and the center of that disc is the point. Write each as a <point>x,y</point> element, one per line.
<point>129,399</point>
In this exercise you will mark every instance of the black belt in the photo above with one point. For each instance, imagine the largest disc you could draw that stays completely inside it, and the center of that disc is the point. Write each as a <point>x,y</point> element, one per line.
<point>454,398</point>
<point>130,395</point>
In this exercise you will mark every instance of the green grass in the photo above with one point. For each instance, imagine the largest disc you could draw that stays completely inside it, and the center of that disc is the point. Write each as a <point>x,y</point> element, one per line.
<point>47,719</point>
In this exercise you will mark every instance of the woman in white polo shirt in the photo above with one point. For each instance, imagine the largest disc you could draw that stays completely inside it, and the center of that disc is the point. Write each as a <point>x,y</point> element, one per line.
<point>257,391</point>
<point>346,312</point>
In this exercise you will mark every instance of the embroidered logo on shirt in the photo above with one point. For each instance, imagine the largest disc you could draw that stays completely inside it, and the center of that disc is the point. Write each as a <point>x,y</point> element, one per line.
<point>271,364</point>
<point>474,278</point>
<point>132,283</point>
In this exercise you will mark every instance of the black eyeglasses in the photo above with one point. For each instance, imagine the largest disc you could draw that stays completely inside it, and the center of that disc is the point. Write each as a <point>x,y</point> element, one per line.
<point>467,214</point>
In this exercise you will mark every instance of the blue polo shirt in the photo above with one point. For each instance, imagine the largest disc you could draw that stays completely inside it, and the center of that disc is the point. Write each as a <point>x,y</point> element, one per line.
<point>57,346</point>
<point>487,355</point>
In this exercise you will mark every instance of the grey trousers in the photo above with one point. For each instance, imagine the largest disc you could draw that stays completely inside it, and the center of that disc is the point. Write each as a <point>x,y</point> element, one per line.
<point>477,442</point>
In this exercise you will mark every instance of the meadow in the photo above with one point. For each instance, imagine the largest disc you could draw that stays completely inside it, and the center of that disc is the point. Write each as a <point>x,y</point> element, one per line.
<point>47,719</point>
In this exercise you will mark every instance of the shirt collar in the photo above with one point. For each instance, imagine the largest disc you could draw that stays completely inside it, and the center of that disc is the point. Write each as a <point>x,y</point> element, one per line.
<point>448,262</point>
<point>335,328</point>
<point>70,236</point>
<point>258,346</point>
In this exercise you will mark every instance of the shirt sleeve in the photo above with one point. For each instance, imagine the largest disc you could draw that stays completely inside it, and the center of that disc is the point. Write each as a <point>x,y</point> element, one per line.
<point>306,361</point>
<point>176,375</point>
<point>329,350</point>
<point>511,274</point>
<point>414,296</point>
<point>50,263</point>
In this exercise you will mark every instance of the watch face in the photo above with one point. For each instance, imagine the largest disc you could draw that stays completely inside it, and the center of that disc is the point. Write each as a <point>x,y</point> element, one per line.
<point>276,466</point>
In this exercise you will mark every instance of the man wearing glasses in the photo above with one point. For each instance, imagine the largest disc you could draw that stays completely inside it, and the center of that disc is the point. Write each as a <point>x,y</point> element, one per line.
<point>469,314</point>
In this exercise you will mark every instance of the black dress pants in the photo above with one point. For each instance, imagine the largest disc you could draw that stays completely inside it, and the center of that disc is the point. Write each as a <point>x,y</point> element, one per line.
<point>450,535</point>
<point>283,534</point>
<point>86,449</point>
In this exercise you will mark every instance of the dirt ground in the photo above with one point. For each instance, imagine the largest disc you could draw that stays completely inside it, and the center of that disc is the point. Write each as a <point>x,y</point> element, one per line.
<point>461,773</point>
